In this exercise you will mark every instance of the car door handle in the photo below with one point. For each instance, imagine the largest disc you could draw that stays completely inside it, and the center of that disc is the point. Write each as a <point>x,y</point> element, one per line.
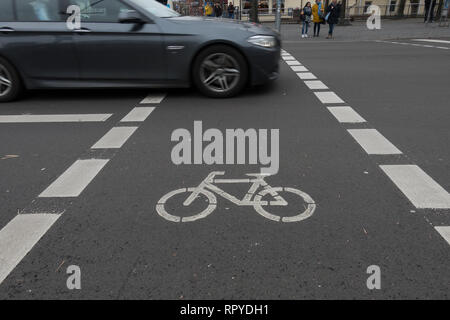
<point>82,30</point>
<point>6,29</point>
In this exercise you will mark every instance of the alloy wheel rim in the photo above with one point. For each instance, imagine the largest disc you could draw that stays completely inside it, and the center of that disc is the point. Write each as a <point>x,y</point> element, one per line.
<point>5,81</point>
<point>220,72</point>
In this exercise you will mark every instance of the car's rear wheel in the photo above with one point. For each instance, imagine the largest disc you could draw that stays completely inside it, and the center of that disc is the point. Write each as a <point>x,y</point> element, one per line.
<point>10,84</point>
<point>220,71</point>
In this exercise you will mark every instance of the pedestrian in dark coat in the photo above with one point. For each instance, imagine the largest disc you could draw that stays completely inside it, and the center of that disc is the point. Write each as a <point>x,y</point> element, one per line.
<point>217,10</point>
<point>332,16</point>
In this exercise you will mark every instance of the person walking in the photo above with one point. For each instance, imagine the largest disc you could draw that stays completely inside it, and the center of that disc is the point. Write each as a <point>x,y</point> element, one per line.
<point>217,10</point>
<point>317,16</point>
<point>332,16</point>
<point>230,11</point>
<point>306,18</point>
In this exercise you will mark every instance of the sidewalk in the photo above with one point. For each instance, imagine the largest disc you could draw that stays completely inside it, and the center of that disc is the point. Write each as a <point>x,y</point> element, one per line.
<point>390,29</point>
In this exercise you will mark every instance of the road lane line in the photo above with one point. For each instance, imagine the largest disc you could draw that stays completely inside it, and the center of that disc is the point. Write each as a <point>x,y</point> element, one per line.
<point>293,63</point>
<point>373,142</point>
<point>114,138</point>
<point>154,98</point>
<point>444,231</point>
<point>75,179</point>
<point>417,186</point>
<point>288,58</point>
<point>346,115</point>
<point>299,69</point>
<point>315,85</point>
<point>45,118</point>
<point>138,114</point>
<point>328,97</point>
<point>306,75</point>
<point>432,40</point>
<point>19,236</point>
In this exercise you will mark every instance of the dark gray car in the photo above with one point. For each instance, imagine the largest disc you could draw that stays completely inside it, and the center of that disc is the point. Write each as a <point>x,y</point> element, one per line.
<point>128,43</point>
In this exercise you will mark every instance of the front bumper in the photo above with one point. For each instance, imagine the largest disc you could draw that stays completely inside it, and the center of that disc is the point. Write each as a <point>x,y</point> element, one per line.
<point>264,64</point>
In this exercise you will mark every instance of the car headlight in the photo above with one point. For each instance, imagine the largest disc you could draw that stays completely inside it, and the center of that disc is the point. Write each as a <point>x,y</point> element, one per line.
<point>263,41</point>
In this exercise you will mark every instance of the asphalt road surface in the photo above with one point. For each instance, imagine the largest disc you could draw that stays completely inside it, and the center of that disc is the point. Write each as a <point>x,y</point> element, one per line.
<point>78,194</point>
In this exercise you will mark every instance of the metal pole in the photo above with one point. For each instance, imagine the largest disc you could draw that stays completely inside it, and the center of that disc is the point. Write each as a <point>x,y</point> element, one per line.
<point>278,16</point>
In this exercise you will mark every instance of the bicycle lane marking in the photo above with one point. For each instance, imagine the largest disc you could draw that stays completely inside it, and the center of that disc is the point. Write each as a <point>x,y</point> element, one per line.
<point>376,141</point>
<point>24,231</point>
<point>207,187</point>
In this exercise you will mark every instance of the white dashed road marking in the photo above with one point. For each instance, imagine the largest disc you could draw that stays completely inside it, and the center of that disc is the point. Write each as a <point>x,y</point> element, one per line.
<point>299,69</point>
<point>315,85</point>
<point>444,231</point>
<point>328,97</point>
<point>73,181</point>
<point>306,75</point>
<point>115,138</point>
<point>19,236</point>
<point>346,114</point>
<point>287,58</point>
<point>373,142</point>
<point>24,231</point>
<point>293,63</point>
<point>418,187</point>
<point>138,114</point>
<point>30,118</point>
<point>153,98</point>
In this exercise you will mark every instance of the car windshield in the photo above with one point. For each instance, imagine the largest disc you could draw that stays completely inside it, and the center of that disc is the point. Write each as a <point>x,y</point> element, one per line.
<point>156,8</point>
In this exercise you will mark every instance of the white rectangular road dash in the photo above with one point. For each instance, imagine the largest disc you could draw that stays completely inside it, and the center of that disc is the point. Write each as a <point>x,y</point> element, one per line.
<point>373,142</point>
<point>432,40</point>
<point>346,114</point>
<point>444,231</point>
<point>417,186</point>
<point>293,63</point>
<point>19,236</point>
<point>328,97</point>
<point>316,85</point>
<point>75,179</point>
<point>138,114</point>
<point>154,98</point>
<point>45,118</point>
<point>115,138</point>
<point>306,75</point>
<point>288,58</point>
<point>299,69</point>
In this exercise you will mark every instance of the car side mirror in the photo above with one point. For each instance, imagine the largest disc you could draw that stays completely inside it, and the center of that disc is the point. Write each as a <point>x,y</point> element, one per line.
<point>131,16</point>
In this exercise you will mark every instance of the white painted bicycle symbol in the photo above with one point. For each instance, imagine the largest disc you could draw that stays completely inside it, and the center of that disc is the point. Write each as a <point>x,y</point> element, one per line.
<point>207,187</point>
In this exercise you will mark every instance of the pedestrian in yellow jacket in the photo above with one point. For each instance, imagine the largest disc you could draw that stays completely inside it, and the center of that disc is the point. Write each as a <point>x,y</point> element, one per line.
<point>317,16</point>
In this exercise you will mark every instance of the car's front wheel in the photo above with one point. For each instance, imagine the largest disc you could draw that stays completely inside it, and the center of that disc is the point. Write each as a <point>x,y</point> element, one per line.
<point>220,71</point>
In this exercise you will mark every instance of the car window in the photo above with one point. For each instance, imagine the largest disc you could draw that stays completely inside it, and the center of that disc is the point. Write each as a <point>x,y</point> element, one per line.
<point>6,10</point>
<point>156,8</point>
<point>100,10</point>
<point>38,10</point>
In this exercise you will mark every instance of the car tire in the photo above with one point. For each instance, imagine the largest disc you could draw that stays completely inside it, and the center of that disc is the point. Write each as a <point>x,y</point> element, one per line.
<point>10,83</point>
<point>230,67</point>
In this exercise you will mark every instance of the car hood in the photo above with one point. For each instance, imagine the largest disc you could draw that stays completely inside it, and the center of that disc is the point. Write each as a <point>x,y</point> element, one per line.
<point>219,23</point>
